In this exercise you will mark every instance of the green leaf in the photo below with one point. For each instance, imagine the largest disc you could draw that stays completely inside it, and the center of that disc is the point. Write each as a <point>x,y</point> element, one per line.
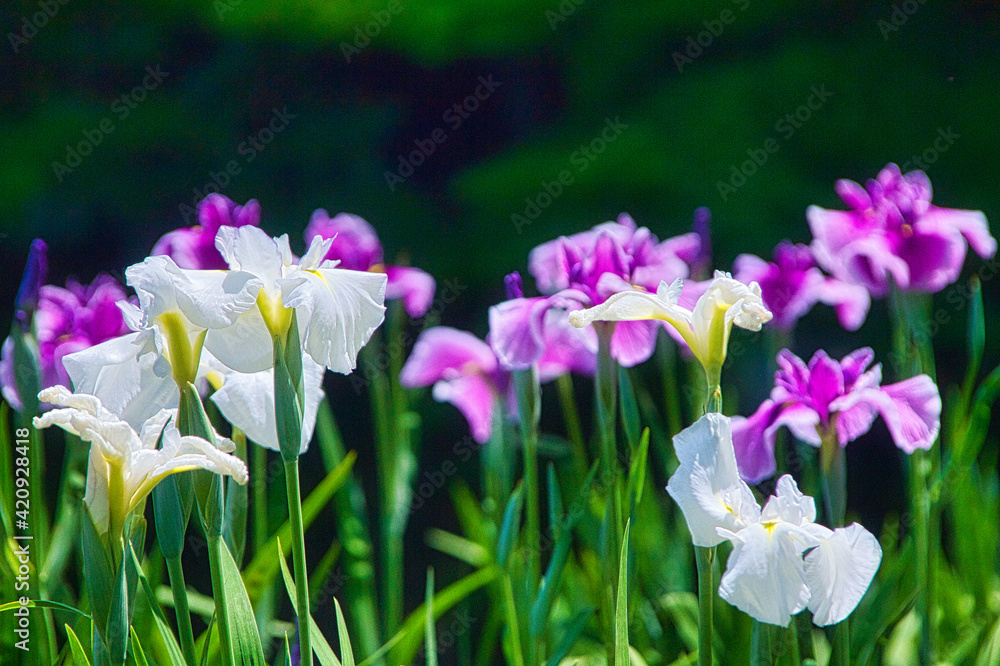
<point>242,626</point>
<point>322,649</point>
<point>555,498</point>
<point>137,652</point>
<point>79,655</point>
<point>234,526</point>
<point>98,574</point>
<point>263,569</point>
<point>621,606</point>
<point>637,472</point>
<point>174,651</point>
<point>116,634</point>
<point>510,527</point>
<point>574,629</point>
<point>346,653</point>
<point>168,517</point>
<point>990,652</point>
<point>629,410</point>
<point>430,638</point>
<point>288,395</point>
<point>41,603</point>
<point>444,601</point>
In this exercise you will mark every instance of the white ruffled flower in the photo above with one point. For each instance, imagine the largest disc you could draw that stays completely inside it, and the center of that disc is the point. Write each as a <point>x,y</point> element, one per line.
<point>337,310</point>
<point>782,562</point>
<point>125,465</point>
<point>705,329</point>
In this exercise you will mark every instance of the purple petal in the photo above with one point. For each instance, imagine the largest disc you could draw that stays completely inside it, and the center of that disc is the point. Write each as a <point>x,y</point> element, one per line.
<point>445,353</point>
<point>355,243</point>
<point>850,301</point>
<point>566,348</point>
<point>513,285</point>
<point>792,374</point>
<point>826,383</point>
<point>853,194</point>
<point>8,380</point>
<point>971,223</point>
<point>753,437</point>
<point>912,412</point>
<point>516,331</point>
<point>633,342</point>
<point>475,397</point>
<point>934,258</point>
<point>854,364</point>
<point>413,285</point>
<point>216,211</point>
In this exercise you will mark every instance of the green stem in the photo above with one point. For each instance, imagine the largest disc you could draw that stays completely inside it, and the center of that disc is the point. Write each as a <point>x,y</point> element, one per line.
<point>181,611</point>
<point>564,384</point>
<point>215,546</point>
<point>606,395</point>
<point>841,654</point>
<point>705,559</point>
<point>528,399</point>
<point>258,483</point>
<point>834,474</point>
<point>299,558</point>
<point>671,391</point>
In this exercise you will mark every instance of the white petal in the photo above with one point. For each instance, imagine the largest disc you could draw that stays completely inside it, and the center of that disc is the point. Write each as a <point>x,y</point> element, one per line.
<point>839,572</point>
<point>630,306</point>
<point>121,373</point>
<point>338,310</point>
<point>707,484</point>
<point>789,504</point>
<point>313,257</point>
<point>252,250</point>
<point>245,346</point>
<point>764,576</point>
<point>247,402</point>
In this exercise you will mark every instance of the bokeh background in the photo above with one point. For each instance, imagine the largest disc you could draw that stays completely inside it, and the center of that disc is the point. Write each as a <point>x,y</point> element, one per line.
<point>694,89</point>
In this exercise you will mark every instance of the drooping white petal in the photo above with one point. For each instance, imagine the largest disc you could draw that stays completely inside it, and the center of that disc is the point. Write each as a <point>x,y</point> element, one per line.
<point>126,375</point>
<point>338,310</point>
<point>118,453</point>
<point>707,484</point>
<point>765,575</point>
<point>634,306</point>
<point>247,401</point>
<point>839,571</point>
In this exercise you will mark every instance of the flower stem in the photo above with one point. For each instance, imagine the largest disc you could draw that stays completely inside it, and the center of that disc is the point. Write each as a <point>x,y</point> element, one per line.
<point>528,406</point>
<point>181,611</point>
<point>606,394</point>
<point>705,558</point>
<point>299,558</point>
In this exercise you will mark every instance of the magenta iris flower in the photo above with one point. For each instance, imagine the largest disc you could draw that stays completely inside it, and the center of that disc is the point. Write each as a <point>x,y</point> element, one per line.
<point>66,321</point>
<point>194,247</point>
<point>463,370</point>
<point>357,247</point>
<point>582,271</point>
<point>846,396</point>
<point>792,284</point>
<point>892,233</point>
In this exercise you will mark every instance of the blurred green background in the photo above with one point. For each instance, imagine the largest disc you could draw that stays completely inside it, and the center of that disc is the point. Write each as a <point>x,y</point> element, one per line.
<point>695,90</point>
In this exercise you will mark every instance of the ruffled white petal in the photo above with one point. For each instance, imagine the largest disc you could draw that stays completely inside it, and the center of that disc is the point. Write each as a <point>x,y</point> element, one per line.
<point>338,310</point>
<point>634,306</point>
<point>839,572</point>
<point>245,346</point>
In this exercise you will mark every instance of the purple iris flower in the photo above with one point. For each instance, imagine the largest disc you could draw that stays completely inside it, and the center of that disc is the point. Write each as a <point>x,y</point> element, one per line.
<point>792,284</point>
<point>892,233</point>
<point>357,247</point>
<point>66,321</point>
<point>194,247</point>
<point>463,370</point>
<point>582,271</point>
<point>845,396</point>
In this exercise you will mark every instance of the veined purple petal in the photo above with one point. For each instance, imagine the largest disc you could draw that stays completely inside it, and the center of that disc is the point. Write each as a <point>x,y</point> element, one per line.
<point>753,437</point>
<point>633,342</point>
<point>826,383</point>
<point>445,353</point>
<point>475,397</point>
<point>516,331</point>
<point>566,348</point>
<point>854,365</point>
<point>934,258</point>
<point>355,243</point>
<point>911,410</point>
<point>414,286</point>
